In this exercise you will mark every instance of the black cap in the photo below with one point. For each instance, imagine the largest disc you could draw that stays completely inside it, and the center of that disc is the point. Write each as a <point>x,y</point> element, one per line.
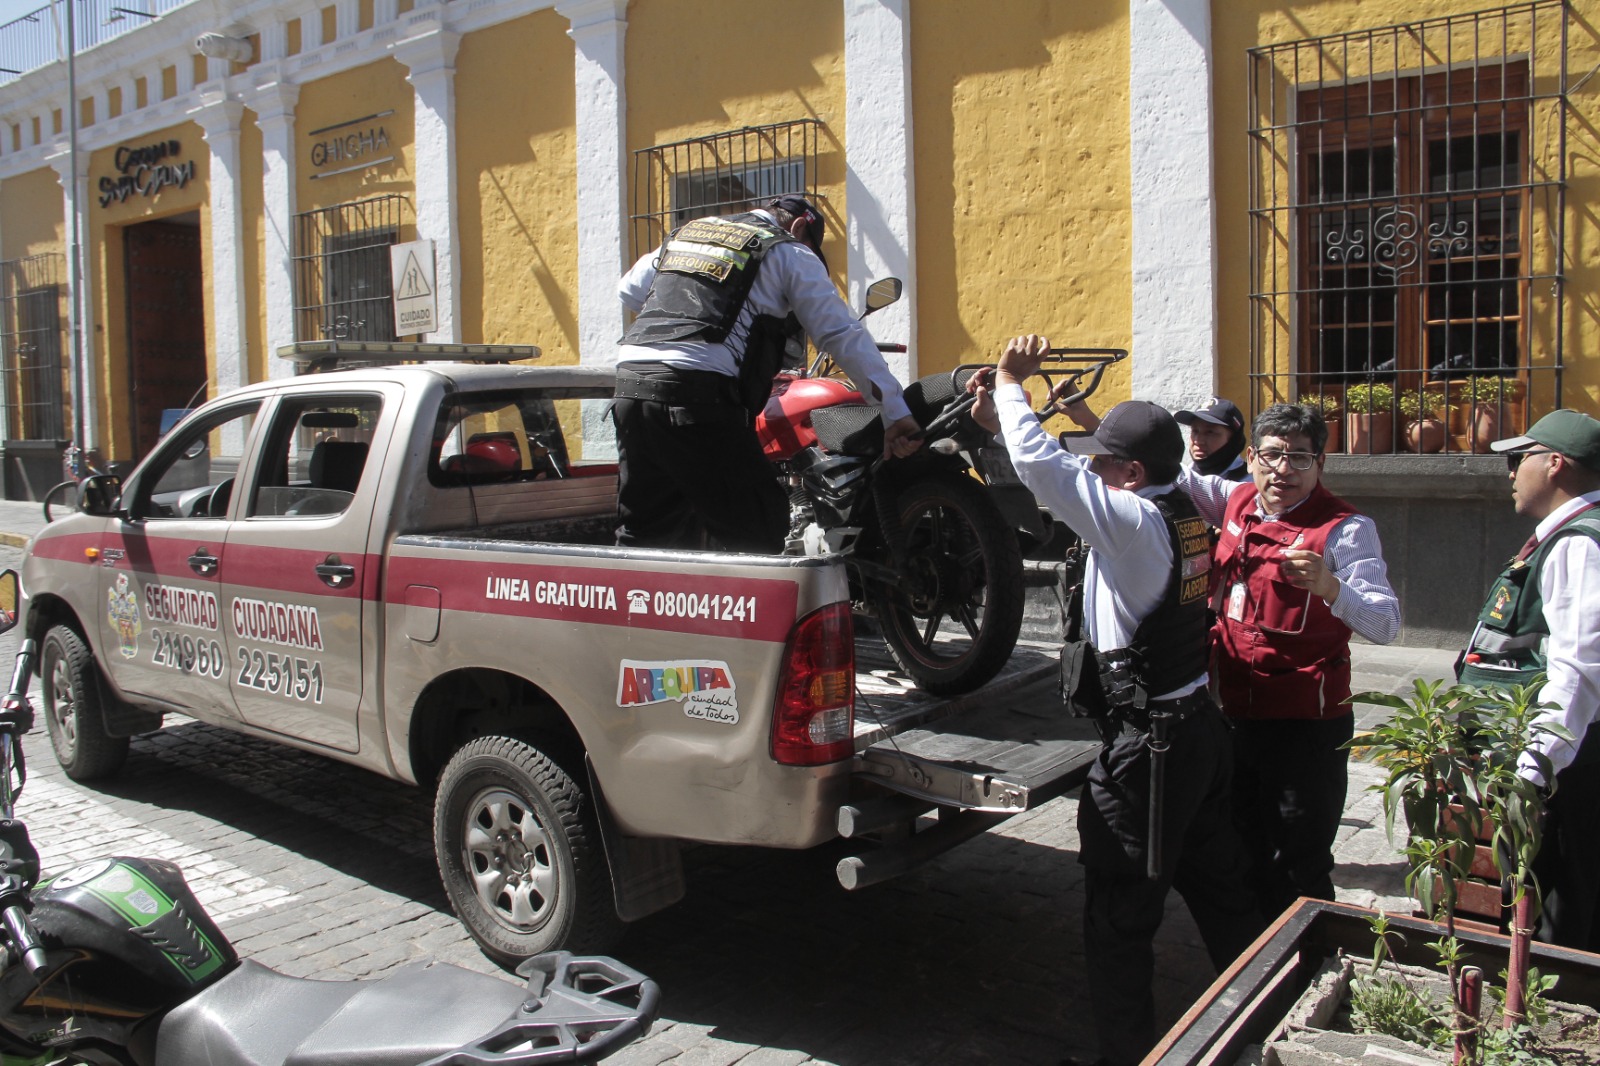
<point>800,207</point>
<point>1217,411</point>
<point>1134,429</point>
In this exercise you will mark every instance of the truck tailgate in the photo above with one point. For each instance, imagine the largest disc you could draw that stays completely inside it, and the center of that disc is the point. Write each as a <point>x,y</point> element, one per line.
<point>1005,748</point>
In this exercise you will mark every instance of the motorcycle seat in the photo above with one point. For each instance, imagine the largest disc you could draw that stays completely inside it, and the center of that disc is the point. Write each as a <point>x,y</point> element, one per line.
<point>258,1017</point>
<point>856,429</point>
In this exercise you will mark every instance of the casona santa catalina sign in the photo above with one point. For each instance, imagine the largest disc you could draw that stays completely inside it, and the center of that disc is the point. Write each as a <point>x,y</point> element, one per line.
<point>146,170</point>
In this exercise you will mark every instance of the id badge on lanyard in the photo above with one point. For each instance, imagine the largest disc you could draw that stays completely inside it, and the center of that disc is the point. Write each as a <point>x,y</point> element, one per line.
<point>1236,601</point>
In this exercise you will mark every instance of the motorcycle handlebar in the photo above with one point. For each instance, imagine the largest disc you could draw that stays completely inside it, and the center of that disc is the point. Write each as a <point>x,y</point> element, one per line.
<point>24,938</point>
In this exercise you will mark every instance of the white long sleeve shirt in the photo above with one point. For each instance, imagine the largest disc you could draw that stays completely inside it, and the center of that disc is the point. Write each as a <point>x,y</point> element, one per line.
<point>1569,582</point>
<point>1353,554</point>
<point>791,278</point>
<point>1130,565</point>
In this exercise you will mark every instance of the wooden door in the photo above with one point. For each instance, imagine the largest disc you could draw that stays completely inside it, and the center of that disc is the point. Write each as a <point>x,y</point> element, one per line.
<point>166,324</point>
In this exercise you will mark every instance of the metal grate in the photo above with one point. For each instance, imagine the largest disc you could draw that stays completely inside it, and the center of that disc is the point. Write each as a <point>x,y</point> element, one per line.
<point>31,342</point>
<point>343,285</point>
<point>720,174</point>
<point>1407,222</point>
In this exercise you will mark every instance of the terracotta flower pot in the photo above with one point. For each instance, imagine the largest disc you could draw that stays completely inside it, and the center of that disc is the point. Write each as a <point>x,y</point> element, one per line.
<point>1369,434</point>
<point>1485,426</point>
<point>1425,435</point>
<point>1335,435</point>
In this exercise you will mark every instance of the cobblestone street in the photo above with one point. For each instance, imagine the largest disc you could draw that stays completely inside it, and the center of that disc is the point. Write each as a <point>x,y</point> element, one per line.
<point>319,869</point>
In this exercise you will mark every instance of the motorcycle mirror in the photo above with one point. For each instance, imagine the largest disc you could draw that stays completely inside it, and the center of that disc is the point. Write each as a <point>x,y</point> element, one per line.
<point>882,293</point>
<point>8,601</point>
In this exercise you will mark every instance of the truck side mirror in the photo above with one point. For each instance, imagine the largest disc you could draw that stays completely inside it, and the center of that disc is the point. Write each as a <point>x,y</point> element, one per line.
<point>100,495</point>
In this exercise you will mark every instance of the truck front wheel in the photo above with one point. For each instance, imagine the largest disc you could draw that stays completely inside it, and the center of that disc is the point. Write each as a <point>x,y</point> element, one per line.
<point>520,854</point>
<point>73,711</point>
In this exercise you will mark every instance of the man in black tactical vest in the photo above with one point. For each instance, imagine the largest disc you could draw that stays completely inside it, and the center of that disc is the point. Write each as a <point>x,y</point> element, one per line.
<point>716,306</point>
<point>1543,616</point>
<point>1155,813</point>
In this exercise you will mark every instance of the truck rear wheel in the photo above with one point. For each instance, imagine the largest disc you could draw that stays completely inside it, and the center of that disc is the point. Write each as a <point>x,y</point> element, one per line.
<point>73,710</point>
<point>520,853</point>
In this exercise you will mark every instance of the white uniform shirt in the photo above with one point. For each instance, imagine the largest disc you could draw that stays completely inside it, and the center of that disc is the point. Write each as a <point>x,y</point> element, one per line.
<point>1353,553</point>
<point>791,278</point>
<point>1569,581</point>
<point>1128,570</point>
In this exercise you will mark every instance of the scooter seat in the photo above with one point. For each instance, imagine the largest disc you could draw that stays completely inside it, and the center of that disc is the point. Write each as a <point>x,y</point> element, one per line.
<point>258,1017</point>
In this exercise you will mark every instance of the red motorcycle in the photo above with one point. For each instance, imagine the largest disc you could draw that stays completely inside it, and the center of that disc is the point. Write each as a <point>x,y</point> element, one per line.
<point>933,542</point>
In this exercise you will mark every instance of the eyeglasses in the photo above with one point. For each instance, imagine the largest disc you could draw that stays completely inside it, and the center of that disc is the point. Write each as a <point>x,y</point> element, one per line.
<point>1514,459</point>
<point>1275,459</point>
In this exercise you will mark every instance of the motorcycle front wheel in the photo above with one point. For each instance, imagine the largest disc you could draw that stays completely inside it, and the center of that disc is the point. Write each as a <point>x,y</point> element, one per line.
<point>951,620</point>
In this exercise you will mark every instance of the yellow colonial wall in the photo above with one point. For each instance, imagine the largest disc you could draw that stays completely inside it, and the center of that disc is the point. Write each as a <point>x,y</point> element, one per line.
<point>1239,25</point>
<point>516,172</point>
<point>733,63</point>
<point>353,94</point>
<point>107,282</point>
<point>1023,210</point>
<point>33,215</point>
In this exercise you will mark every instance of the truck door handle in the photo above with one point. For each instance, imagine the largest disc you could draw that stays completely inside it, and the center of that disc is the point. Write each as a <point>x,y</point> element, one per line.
<point>203,562</point>
<point>336,575</point>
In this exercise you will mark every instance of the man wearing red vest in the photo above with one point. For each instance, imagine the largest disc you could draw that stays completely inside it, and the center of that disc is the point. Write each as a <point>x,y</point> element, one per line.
<point>1296,571</point>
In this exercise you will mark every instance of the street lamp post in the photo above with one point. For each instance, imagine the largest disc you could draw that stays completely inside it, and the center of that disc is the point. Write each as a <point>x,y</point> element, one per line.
<point>75,255</point>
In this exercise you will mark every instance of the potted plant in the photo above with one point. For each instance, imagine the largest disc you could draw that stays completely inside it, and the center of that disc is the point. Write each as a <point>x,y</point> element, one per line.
<point>1329,405</point>
<point>1425,431</point>
<point>1451,755</point>
<point>1496,409</point>
<point>1369,418</point>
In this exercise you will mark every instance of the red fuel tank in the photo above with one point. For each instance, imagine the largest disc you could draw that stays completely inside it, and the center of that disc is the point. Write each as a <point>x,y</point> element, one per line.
<point>784,425</point>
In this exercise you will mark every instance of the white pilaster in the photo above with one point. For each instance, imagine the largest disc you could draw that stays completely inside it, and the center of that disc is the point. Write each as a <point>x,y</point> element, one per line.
<point>75,191</point>
<point>431,56</point>
<point>598,33</point>
<point>218,118</point>
<point>273,101</point>
<point>1174,210</point>
<point>880,190</point>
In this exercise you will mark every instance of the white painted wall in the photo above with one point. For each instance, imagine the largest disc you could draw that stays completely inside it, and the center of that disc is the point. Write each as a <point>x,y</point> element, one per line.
<point>1174,212</point>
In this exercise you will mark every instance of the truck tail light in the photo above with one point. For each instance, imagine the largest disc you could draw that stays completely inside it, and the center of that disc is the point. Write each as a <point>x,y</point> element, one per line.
<point>814,714</point>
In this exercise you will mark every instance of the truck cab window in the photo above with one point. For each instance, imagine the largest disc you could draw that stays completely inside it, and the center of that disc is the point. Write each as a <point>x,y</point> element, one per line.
<point>191,474</point>
<point>315,456</point>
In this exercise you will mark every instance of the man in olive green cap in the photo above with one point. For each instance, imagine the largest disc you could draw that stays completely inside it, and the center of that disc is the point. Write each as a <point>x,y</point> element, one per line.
<point>1543,616</point>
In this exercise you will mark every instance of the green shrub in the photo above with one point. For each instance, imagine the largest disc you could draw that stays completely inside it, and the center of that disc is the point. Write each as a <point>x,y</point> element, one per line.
<point>1374,399</point>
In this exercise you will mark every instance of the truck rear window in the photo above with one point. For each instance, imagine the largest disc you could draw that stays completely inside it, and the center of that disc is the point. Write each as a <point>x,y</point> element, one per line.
<point>504,436</point>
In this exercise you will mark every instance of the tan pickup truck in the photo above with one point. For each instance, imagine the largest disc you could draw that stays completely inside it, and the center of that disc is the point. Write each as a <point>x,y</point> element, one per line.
<point>411,568</point>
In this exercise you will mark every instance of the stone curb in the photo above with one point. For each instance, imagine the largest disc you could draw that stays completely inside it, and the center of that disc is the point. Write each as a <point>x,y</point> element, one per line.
<point>14,540</point>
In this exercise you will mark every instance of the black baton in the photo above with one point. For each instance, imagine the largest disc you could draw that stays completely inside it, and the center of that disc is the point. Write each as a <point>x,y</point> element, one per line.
<point>1158,772</point>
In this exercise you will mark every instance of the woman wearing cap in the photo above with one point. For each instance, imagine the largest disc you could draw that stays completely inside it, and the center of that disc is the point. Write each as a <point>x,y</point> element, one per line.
<point>1216,439</point>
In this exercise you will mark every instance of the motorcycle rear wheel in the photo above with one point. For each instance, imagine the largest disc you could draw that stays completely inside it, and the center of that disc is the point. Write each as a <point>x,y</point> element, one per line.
<point>952,620</point>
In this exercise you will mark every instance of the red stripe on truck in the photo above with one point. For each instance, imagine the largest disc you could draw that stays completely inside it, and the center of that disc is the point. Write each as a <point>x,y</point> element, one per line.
<point>743,608</point>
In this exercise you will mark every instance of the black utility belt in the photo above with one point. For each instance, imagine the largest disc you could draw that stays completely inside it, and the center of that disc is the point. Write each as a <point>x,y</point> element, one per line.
<point>680,388</point>
<point>1177,710</point>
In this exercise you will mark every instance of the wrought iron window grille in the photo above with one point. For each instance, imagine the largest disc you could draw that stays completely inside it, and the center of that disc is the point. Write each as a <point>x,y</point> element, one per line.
<point>1407,225</point>
<point>32,340</point>
<point>343,286</point>
<point>719,174</point>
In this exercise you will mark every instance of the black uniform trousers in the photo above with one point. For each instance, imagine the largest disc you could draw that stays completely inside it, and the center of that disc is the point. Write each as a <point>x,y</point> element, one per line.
<point>1290,776</point>
<point>1568,864</point>
<point>694,469</point>
<point>1203,859</point>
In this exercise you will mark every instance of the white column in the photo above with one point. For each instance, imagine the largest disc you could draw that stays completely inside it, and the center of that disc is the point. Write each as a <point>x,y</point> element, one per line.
<point>598,32</point>
<point>218,118</point>
<point>76,192</point>
<point>431,56</point>
<point>273,101</point>
<point>880,190</point>
<point>1174,210</point>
